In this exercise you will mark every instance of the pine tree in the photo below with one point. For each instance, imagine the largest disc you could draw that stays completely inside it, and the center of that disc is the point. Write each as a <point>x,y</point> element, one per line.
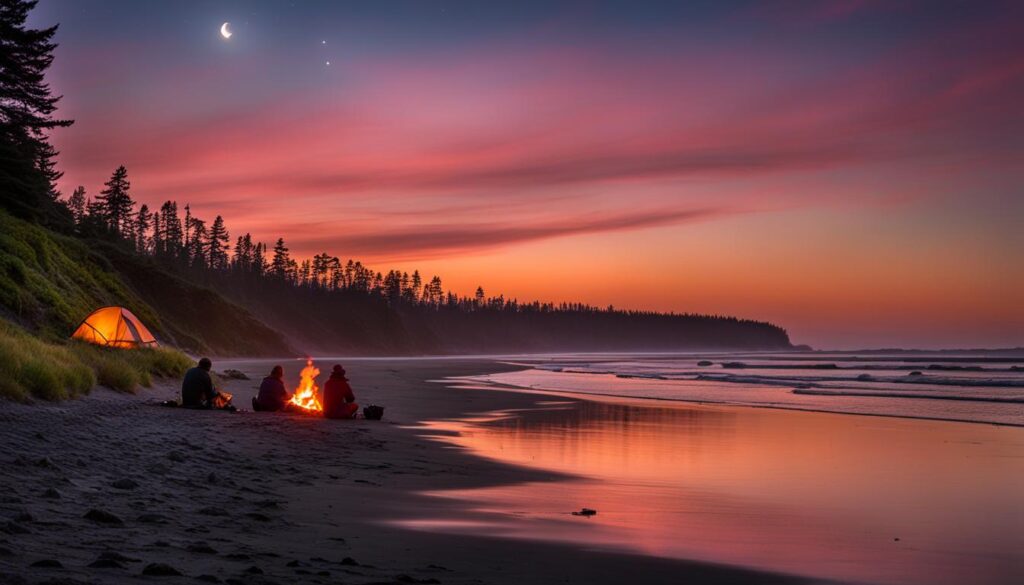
<point>27,173</point>
<point>156,244</point>
<point>76,204</point>
<point>117,202</point>
<point>195,255</point>
<point>259,259</point>
<point>279,265</point>
<point>170,236</point>
<point>244,254</point>
<point>334,269</point>
<point>188,225</point>
<point>393,286</point>
<point>218,245</point>
<point>143,219</point>
<point>417,284</point>
<point>319,268</point>
<point>436,291</point>
<point>94,221</point>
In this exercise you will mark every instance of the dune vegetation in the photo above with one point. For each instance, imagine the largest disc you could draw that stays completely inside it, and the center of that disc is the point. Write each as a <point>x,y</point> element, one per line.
<point>48,283</point>
<point>33,368</point>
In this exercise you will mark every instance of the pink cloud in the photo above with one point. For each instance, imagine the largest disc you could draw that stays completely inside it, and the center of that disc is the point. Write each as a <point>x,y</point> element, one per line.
<point>572,127</point>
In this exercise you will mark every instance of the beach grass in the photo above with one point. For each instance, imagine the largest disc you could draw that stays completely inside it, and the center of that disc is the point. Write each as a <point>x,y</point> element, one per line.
<point>32,368</point>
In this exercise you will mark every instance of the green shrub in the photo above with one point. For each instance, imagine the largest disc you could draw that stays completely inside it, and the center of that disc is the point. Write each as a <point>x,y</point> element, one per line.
<point>117,375</point>
<point>41,380</point>
<point>160,361</point>
<point>30,367</point>
<point>125,370</point>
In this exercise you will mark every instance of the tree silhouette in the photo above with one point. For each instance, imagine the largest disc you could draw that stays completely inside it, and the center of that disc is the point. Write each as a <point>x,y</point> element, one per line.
<point>281,263</point>
<point>117,203</point>
<point>76,204</point>
<point>167,233</point>
<point>142,220</point>
<point>27,106</point>
<point>186,236</point>
<point>196,253</point>
<point>218,244</point>
<point>395,310</point>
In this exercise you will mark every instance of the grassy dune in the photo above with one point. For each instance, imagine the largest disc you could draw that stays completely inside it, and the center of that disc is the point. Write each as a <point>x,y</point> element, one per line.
<point>32,368</point>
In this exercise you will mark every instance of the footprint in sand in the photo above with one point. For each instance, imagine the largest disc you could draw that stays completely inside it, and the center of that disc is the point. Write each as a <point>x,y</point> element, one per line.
<point>48,564</point>
<point>201,548</point>
<point>105,564</point>
<point>161,570</point>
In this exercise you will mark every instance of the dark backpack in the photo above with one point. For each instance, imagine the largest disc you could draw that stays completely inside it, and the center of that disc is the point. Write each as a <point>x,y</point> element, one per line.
<point>373,412</point>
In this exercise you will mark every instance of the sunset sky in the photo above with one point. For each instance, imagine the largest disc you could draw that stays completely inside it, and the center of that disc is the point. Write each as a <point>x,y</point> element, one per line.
<point>852,170</point>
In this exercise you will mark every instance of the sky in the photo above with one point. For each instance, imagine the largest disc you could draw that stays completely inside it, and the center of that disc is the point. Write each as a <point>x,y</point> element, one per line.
<point>852,170</point>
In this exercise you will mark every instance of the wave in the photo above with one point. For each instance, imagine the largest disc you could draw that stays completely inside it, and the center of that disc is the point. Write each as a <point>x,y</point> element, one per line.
<point>890,394</point>
<point>927,380</point>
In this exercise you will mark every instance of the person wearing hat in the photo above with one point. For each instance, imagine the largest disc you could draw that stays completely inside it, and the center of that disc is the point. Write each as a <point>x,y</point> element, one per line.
<point>339,401</point>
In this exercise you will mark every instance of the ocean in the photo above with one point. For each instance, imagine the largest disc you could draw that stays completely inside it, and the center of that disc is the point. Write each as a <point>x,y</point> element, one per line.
<point>676,464</point>
<point>975,387</point>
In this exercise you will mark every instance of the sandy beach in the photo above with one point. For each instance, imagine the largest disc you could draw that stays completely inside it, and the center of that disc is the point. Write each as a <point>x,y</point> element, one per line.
<point>647,292</point>
<point>113,488</point>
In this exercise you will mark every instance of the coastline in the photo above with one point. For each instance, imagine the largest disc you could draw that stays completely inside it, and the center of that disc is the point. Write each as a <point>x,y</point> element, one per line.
<point>272,497</point>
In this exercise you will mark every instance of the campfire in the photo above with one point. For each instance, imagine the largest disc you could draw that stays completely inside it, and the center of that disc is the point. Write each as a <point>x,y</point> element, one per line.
<point>306,396</point>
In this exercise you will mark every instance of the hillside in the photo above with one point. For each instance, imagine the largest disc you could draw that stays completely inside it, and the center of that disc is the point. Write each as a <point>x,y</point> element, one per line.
<point>50,282</point>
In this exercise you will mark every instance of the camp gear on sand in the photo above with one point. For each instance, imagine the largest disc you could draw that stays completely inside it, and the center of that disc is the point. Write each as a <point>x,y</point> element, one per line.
<point>222,400</point>
<point>373,412</point>
<point>114,327</point>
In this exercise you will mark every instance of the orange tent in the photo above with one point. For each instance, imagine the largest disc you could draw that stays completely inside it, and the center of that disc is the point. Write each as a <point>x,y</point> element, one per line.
<point>114,327</point>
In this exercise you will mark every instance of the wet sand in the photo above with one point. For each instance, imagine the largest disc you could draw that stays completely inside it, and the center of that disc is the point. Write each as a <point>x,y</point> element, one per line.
<point>866,499</point>
<point>116,489</point>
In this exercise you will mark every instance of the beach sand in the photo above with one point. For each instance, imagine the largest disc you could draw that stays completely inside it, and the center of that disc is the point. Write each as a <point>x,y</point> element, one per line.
<point>111,487</point>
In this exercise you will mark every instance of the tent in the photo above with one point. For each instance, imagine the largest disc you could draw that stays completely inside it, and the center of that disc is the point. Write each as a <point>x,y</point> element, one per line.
<point>114,327</point>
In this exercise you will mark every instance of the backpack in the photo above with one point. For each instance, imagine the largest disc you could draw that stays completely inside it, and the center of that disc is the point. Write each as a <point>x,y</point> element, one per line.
<point>373,412</point>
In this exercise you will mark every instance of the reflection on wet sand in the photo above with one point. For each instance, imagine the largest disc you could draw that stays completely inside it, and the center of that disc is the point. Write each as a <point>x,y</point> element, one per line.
<point>868,499</point>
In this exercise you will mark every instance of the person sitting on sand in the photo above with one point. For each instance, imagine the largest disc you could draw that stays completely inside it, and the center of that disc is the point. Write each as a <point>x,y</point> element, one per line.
<point>339,401</point>
<point>273,396</point>
<point>197,389</point>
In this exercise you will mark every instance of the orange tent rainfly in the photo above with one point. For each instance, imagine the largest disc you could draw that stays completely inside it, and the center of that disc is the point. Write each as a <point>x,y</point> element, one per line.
<point>114,327</point>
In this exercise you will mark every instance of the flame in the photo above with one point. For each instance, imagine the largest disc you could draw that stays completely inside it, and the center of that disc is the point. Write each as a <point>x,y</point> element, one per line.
<point>306,395</point>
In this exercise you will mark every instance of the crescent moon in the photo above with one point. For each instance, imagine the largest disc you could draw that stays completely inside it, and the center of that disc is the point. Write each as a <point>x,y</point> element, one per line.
<point>225,31</point>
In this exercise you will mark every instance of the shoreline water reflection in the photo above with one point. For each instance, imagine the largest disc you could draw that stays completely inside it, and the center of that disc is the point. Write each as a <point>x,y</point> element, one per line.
<point>853,498</point>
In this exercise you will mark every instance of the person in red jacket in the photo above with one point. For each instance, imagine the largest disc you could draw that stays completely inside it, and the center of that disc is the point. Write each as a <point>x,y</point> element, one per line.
<point>339,402</point>
<point>273,395</point>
